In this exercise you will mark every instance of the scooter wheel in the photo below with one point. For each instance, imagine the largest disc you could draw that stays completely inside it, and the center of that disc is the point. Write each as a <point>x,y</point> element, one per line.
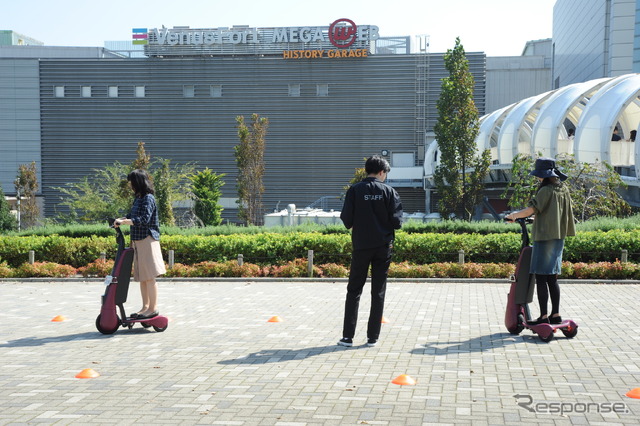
<point>105,330</point>
<point>518,329</point>
<point>547,338</point>
<point>570,332</point>
<point>145,324</point>
<point>159,329</point>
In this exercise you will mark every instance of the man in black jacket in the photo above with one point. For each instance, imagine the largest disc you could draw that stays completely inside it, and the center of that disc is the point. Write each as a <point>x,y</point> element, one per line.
<point>373,211</point>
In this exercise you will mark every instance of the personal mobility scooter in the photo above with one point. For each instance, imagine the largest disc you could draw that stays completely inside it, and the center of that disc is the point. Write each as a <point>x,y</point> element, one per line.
<point>115,295</point>
<point>517,316</point>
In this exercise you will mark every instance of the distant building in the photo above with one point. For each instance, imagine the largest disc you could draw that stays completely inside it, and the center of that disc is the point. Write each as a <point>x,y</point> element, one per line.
<point>512,78</point>
<point>330,104</point>
<point>126,49</point>
<point>594,39</point>
<point>12,38</point>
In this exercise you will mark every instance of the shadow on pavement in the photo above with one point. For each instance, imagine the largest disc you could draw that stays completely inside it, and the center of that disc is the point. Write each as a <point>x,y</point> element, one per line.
<point>88,335</point>
<point>477,344</point>
<point>281,355</point>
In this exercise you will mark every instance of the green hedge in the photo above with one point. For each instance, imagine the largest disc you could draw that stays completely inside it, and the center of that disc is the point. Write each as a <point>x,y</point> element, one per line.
<point>63,250</point>
<point>274,248</point>
<point>411,227</point>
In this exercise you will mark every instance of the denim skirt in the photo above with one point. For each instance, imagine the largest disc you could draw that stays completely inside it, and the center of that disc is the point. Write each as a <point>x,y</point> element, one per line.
<point>546,257</point>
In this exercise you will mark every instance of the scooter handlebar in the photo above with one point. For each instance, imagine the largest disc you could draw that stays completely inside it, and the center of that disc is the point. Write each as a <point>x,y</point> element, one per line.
<point>522,221</point>
<point>525,220</point>
<point>119,235</point>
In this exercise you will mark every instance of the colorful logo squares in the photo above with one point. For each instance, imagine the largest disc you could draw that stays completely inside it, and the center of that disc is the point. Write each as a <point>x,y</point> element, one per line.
<point>140,36</point>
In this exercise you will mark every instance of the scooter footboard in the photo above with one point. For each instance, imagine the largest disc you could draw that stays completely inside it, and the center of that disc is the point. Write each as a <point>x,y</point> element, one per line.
<point>524,280</point>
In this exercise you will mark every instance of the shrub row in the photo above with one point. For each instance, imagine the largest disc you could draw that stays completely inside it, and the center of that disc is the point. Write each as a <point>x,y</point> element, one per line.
<point>272,248</point>
<point>298,268</point>
<point>411,226</point>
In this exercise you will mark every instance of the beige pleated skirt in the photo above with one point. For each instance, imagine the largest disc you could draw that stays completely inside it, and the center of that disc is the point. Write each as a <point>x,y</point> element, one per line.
<point>147,260</point>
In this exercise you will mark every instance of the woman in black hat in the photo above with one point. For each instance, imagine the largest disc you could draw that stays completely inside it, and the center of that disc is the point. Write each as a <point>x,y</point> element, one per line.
<point>553,222</point>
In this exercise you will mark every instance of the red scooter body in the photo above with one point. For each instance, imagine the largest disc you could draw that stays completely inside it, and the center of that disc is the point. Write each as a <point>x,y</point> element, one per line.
<point>115,295</point>
<point>517,315</point>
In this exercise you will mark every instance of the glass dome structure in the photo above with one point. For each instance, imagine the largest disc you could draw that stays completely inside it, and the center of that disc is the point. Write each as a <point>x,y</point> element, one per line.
<point>543,124</point>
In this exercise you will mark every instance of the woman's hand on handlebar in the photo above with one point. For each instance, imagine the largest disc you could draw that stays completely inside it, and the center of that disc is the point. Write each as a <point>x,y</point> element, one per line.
<point>121,221</point>
<point>509,217</point>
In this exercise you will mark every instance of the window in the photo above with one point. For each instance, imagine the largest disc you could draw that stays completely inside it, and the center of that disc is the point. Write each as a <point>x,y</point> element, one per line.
<point>139,91</point>
<point>294,90</point>
<point>58,91</point>
<point>402,159</point>
<point>216,91</point>
<point>113,91</point>
<point>86,91</point>
<point>188,91</point>
<point>322,90</point>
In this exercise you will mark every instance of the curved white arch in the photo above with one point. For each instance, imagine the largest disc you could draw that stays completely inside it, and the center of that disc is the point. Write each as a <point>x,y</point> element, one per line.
<point>488,124</point>
<point>593,135</point>
<point>549,136</point>
<point>432,159</point>
<point>509,139</point>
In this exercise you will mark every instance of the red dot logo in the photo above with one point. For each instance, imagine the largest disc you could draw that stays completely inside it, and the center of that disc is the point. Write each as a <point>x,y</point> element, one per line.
<point>342,33</point>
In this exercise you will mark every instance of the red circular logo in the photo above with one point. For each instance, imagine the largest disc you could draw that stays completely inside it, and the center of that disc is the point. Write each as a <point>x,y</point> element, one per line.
<point>343,35</point>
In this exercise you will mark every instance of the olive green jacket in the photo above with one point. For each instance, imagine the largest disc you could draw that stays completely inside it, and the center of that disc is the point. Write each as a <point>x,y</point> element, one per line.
<point>554,214</point>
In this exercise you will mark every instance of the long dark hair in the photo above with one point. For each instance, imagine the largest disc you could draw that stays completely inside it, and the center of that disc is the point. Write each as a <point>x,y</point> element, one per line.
<point>141,183</point>
<point>552,180</point>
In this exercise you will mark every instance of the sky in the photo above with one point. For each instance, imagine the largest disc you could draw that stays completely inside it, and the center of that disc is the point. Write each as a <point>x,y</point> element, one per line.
<point>496,27</point>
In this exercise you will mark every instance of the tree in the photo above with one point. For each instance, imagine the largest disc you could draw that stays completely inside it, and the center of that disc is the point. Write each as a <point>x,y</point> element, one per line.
<point>7,221</point>
<point>460,176</point>
<point>249,154</point>
<point>94,198</point>
<point>26,185</point>
<point>358,175</point>
<point>107,193</point>
<point>142,161</point>
<point>162,182</point>
<point>592,186</point>
<point>206,188</point>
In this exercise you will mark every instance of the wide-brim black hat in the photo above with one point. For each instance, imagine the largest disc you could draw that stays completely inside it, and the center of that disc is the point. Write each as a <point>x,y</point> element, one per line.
<point>546,167</point>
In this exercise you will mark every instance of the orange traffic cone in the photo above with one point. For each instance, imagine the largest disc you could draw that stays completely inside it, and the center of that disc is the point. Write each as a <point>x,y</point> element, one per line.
<point>403,379</point>
<point>58,318</point>
<point>384,320</point>
<point>275,319</point>
<point>634,393</point>
<point>87,373</point>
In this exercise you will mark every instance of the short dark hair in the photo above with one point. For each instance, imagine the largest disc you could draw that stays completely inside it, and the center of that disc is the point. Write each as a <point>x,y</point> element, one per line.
<point>376,164</point>
<point>141,182</point>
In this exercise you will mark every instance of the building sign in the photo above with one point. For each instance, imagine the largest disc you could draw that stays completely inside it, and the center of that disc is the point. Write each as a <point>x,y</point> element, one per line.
<point>243,40</point>
<point>343,35</point>
<point>335,53</point>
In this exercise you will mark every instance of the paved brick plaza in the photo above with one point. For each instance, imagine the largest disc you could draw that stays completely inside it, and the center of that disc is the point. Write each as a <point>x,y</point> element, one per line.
<point>221,362</point>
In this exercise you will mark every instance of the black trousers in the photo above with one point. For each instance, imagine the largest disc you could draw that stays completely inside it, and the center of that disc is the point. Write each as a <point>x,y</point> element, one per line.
<point>379,258</point>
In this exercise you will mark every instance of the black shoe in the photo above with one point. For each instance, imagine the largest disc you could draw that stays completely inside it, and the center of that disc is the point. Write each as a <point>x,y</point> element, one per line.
<point>345,341</point>
<point>372,342</point>
<point>540,320</point>
<point>556,320</point>
<point>148,316</point>
<point>133,315</point>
